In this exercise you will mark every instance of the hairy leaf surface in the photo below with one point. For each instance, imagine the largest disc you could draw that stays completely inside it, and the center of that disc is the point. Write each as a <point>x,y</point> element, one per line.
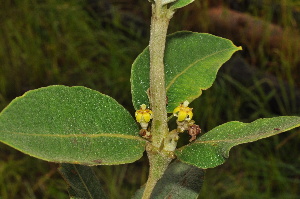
<point>212,149</point>
<point>71,125</point>
<point>192,61</point>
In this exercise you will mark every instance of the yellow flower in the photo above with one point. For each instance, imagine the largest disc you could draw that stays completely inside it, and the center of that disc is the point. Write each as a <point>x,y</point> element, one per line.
<point>183,112</point>
<point>143,115</point>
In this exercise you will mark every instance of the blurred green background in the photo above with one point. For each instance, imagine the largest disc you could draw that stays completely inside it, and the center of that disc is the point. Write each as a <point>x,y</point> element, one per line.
<point>94,42</point>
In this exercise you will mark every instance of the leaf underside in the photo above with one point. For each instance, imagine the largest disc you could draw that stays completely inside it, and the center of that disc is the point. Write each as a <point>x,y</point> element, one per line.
<point>212,149</point>
<point>179,181</point>
<point>71,125</point>
<point>191,60</point>
<point>82,181</point>
<point>165,2</point>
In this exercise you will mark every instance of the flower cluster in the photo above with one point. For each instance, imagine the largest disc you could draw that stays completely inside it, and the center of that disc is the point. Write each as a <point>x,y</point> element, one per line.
<point>184,120</point>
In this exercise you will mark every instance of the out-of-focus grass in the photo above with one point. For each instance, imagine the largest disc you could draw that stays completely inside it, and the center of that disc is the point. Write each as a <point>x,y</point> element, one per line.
<point>25,177</point>
<point>61,42</point>
<point>267,168</point>
<point>91,44</point>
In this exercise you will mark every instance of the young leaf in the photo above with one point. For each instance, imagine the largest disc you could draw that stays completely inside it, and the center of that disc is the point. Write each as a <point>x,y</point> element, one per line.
<point>191,60</point>
<point>71,125</point>
<point>212,149</point>
<point>82,181</point>
<point>179,181</point>
<point>180,3</point>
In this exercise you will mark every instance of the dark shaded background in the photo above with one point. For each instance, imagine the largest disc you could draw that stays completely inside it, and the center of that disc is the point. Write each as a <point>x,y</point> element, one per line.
<point>93,43</point>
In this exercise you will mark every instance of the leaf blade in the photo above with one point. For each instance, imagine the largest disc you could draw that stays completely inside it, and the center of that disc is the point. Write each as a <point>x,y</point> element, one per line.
<point>82,181</point>
<point>179,181</point>
<point>212,149</point>
<point>71,124</point>
<point>191,60</point>
<point>180,3</point>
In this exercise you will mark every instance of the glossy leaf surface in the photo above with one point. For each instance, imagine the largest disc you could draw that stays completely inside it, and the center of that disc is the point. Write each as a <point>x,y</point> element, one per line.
<point>192,61</point>
<point>179,181</point>
<point>212,149</point>
<point>71,125</point>
<point>82,181</point>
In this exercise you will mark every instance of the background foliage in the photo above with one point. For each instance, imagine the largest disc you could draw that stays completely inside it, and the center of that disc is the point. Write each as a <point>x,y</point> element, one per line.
<point>93,43</point>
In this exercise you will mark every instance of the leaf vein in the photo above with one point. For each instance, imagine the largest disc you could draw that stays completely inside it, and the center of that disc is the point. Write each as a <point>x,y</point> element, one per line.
<point>80,135</point>
<point>191,65</point>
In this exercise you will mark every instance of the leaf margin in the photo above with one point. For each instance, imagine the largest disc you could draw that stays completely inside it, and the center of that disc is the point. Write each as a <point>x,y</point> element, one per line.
<point>5,140</point>
<point>221,157</point>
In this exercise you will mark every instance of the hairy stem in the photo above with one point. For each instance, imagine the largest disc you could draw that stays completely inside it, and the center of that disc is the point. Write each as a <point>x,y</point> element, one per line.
<point>159,25</point>
<point>158,164</point>
<point>159,161</point>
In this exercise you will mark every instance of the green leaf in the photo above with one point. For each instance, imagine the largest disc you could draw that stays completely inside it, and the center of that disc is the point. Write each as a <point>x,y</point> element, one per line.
<point>71,125</point>
<point>179,181</point>
<point>82,181</point>
<point>212,149</point>
<point>192,61</point>
<point>180,3</point>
